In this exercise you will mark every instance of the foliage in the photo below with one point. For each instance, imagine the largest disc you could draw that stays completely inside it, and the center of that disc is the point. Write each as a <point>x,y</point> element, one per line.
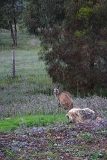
<point>86,136</point>
<point>8,10</point>
<point>97,155</point>
<point>75,51</point>
<point>85,13</point>
<point>41,14</point>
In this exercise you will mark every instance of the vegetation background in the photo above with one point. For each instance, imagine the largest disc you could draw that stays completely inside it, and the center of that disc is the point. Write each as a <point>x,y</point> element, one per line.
<point>45,43</point>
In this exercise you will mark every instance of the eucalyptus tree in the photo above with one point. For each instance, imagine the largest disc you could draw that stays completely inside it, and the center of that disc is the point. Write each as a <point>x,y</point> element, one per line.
<point>75,51</point>
<point>73,40</point>
<point>43,14</point>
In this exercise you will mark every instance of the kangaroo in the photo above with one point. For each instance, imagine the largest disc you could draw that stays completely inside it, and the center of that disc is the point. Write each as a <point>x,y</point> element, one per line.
<point>64,99</point>
<point>78,115</point>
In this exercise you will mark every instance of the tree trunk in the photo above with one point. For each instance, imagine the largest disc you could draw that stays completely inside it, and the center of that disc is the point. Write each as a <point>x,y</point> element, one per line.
<point>14,63</point>
<point>13,29</point>
<point>91,85</point>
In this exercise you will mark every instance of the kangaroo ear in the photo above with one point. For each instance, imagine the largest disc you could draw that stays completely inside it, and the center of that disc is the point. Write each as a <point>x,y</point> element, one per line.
<point>58,86</point>
<point>67,115</point>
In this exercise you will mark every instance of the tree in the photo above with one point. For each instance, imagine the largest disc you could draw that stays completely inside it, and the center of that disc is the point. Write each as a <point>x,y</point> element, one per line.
<point>75,50</point>
<point>43,14</point>
<point>11,9</point>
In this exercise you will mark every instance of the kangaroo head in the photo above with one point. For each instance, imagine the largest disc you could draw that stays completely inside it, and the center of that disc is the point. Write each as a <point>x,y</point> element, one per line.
<point>56,91</point>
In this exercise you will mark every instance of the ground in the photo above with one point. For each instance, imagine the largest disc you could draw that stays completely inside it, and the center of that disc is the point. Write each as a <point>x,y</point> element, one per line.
<point>86,141</point>
<point>30,93</point>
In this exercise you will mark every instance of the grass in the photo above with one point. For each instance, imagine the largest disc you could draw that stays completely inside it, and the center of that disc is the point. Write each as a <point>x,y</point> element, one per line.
<point>31,75</point>
<point>28,65</point>
<point>10,124</point>
<point>97,155</point>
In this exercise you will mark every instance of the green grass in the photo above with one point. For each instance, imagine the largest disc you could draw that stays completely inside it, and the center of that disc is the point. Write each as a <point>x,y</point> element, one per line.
<point>86,136</point>
<point>28,65</point>
<point>98,155</point>
<point>31,75</point>
<point>10,124</point>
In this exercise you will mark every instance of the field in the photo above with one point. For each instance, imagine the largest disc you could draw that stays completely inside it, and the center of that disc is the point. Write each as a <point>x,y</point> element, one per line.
<point>32,127</point>
<point>31,76</point>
